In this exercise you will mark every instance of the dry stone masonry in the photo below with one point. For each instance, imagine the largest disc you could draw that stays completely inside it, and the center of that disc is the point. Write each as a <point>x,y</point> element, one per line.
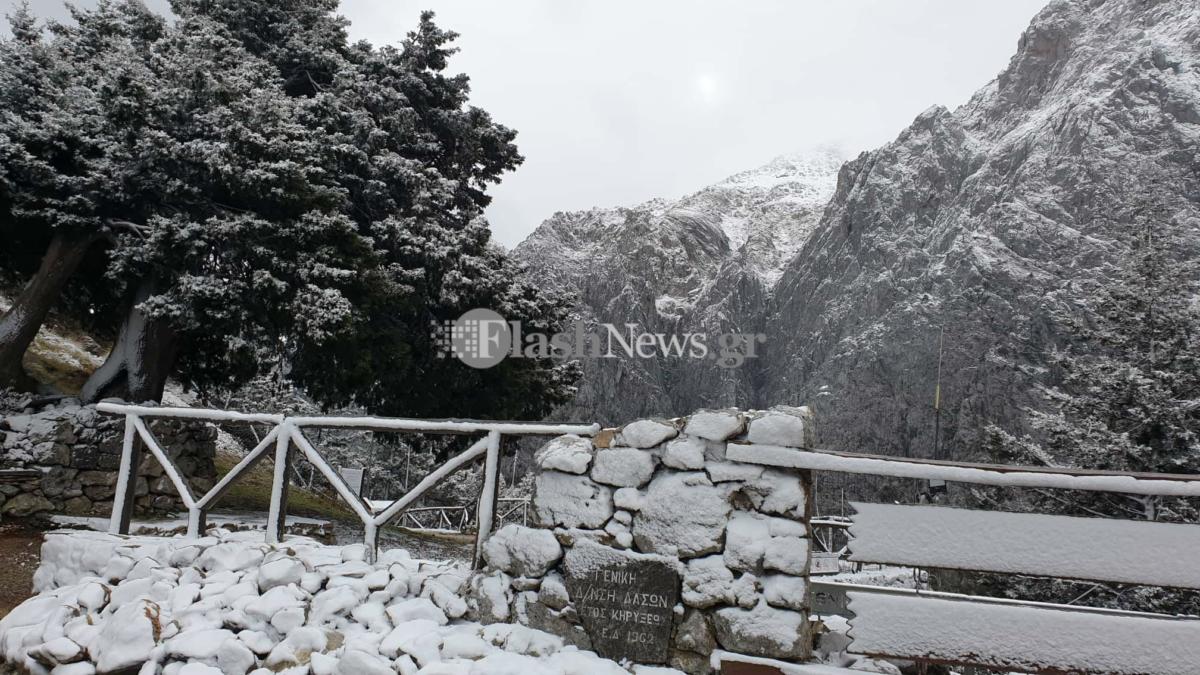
<point>650,546</point>
<point>230,604</point>
<point>78,451</point>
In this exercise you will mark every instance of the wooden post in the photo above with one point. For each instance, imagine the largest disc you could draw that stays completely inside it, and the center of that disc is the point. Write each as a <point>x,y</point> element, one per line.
<point>125,494</point>
<point>277,517</point>
<point>197,522</point>
<point>371,541</point>
<point>486,510</point>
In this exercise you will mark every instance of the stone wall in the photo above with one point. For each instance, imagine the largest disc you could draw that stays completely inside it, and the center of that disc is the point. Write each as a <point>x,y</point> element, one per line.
<point>649,545</point>
<point>78,450</point>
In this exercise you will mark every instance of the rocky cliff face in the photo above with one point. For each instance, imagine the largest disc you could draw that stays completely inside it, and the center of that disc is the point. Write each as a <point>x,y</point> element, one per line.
<point>701,264</point>
<point>988,222</point>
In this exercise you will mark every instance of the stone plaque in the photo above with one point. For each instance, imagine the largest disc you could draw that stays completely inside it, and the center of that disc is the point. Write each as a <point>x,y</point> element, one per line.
<point>626,606</point>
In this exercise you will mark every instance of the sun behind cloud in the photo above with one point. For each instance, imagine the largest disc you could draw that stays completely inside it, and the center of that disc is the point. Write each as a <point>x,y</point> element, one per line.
<point>707,87</point>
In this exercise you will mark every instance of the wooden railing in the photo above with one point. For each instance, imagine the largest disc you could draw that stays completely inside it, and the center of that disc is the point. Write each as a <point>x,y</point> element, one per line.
<point>287,436</point>
<point>460,517</point>
<point>1027,636</point>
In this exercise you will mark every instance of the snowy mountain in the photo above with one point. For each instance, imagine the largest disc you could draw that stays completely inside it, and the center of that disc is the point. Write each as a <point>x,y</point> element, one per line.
<point>992,222</point>
<point>702,263</point>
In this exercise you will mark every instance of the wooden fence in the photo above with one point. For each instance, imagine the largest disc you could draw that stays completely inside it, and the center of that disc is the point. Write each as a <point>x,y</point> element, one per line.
<point>287,437</point>
<point>1017,635</point>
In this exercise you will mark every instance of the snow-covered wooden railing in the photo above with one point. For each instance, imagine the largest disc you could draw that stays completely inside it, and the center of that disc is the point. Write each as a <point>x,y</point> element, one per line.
<point>1000,475</point>
<point>287,432</point>
<point>1006,634</point>
<point>1066,547</point>
<point>456,518</point>
<point>1017,635</point>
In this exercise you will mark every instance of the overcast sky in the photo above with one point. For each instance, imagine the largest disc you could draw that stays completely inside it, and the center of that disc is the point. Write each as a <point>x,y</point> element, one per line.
<point>617,101</point>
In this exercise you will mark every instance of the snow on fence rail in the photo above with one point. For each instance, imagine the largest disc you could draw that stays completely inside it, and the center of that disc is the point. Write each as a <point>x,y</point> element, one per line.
<point>1027,543</point>
<point>1152,484</point>
<point>1013,635</point>
<point>288,432</point>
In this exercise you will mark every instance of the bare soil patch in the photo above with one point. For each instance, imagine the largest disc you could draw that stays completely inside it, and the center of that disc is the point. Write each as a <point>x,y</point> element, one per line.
<point>20,551</point>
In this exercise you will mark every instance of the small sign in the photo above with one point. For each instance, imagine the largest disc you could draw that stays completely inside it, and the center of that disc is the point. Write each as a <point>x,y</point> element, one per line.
<point>828,599</point>
<point>825,563</point>
<point>353,478</point>
<point>627,607</point>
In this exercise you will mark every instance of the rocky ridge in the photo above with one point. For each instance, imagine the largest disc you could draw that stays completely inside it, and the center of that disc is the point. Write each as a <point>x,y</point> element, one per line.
<point>704,263</point>
<point>990,223</point>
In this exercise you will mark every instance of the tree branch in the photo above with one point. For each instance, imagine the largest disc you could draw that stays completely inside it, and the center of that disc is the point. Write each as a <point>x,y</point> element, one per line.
<point>141,230</point>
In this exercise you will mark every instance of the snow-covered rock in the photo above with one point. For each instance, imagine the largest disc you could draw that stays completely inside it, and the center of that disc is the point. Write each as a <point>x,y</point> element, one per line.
<point>568,453</point>
<point>763,631</point>
<point>777,492</point>
<point>490,596</point>
<point>786,554</point>
<point>646,433</point>
<point>522,551</point>
<point>745,541</point>
<point>335,601</point>
<point>567,500</point>
<point>714,425</point>
<point>445,599</point>
<point>235,658</point>
<point>694,634</point>
<point>623,467</point>
<point>128,637</point>
<point>783,590</point>
<point>553,592</point>
<point>200,644</point>
<point>94,596</point>
<point>781,426</point>
<point>274,601</point>
<point>229,557</point>
<point>685,453</point>
<point>413,609</point>
<point>627,499</point>
<point>182,619</point>
<point>357,662</point>
<point>279,572</point>
<point>56,651</point>
<point>707,582</point>
<point>681,514</point>
<point>724,472</point>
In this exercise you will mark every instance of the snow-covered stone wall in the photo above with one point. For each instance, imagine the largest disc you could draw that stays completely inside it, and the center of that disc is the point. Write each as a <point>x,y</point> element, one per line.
<point>230,604</point>
<point>663,492</point>
<point>78,451</point>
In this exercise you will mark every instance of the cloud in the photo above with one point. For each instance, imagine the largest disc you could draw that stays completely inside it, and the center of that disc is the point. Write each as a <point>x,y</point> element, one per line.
<point>618,101</point>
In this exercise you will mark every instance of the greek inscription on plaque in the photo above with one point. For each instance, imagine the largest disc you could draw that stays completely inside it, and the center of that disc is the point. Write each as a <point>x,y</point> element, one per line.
<point>626,608</point>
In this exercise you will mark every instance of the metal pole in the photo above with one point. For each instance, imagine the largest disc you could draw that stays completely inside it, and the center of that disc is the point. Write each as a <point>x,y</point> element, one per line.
<point>938,486</point>
<point>937,402</point>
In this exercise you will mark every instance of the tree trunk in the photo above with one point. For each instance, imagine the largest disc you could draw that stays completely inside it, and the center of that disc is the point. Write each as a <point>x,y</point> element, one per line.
<point>20,324</point>
<point>142,358</point>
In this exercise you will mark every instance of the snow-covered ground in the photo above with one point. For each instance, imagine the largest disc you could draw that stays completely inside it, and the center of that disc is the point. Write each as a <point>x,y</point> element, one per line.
<point>178,524</point>
<point>228,603</point>
<point>450,546</point>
